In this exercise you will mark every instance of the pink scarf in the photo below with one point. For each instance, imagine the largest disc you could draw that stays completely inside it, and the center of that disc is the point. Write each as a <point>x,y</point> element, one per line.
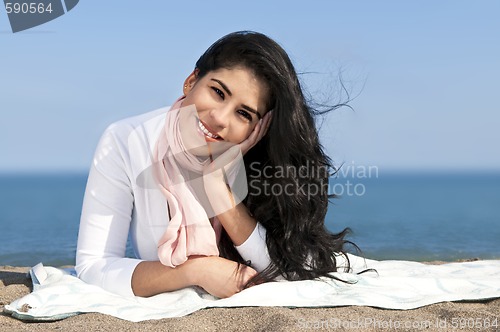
<point>179,173</point>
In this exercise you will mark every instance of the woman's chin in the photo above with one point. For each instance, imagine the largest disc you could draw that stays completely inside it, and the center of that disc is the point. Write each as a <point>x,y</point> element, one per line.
<point>209,139</point>
<point>211,148</point>
<point>219,147</point>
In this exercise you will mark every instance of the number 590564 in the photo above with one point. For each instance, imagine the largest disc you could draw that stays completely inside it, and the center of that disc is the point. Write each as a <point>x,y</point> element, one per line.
<point>25,8</point>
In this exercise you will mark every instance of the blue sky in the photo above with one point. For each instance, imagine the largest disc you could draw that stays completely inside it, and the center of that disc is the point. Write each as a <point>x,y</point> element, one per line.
<point>426,75</point>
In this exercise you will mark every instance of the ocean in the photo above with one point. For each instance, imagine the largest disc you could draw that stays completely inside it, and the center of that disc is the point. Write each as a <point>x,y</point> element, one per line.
<point>410,216</point>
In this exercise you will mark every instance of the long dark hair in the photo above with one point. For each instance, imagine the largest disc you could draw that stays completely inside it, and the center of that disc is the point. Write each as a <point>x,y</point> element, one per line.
<point>287,170</point>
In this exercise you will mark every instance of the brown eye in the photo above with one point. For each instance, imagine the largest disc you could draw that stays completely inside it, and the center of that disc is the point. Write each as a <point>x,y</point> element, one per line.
<point>219,92</point>
<point>245,114</point>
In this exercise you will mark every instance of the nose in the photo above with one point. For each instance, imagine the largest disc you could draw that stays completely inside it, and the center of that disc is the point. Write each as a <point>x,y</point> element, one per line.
<point>220,117</point>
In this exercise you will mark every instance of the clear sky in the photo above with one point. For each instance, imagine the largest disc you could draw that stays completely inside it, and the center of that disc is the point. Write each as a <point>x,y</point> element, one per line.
<point>426,75</point>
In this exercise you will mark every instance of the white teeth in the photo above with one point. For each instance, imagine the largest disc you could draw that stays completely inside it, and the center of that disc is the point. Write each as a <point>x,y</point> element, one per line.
<point>206,132</point>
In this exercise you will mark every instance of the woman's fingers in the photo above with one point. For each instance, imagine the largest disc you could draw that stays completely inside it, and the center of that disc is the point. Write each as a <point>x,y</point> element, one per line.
<point>245,274</point>
<point>222,277</point>
<point>258,132</point>
<point>266,122</point>
<point>263,126</point>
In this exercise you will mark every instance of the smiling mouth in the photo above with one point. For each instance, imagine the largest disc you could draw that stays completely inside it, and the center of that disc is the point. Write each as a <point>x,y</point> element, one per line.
<point>207,132</point>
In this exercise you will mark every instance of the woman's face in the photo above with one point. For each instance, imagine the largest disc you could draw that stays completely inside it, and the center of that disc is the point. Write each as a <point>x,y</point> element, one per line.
<point>229,102</point>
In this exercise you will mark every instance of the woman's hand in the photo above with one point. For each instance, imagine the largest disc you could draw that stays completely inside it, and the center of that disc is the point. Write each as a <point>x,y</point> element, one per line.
<point>222,195</point>
<point>221,277</point>
<point>258,132</point>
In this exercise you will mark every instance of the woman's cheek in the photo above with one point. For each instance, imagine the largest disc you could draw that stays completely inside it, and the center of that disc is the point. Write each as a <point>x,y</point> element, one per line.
<point>247,134</point>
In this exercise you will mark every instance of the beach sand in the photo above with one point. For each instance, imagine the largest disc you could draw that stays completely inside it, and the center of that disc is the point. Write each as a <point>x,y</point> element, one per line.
<point>437,317</point>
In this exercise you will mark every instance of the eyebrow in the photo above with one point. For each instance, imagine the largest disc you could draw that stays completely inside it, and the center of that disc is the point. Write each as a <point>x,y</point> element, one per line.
<point>248,108</point>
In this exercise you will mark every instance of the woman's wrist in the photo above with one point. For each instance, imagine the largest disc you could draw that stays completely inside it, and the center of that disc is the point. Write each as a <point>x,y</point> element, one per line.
<point>194,269</point>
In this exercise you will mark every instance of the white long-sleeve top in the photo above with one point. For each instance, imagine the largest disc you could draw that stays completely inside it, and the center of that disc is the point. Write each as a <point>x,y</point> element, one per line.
<point>121,201</point>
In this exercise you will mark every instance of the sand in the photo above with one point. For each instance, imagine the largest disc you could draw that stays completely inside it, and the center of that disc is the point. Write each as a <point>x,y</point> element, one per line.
<point>472,316</point>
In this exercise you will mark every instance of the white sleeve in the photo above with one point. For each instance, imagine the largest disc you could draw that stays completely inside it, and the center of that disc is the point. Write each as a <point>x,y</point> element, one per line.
<point>254,249</point>
<point>105,220</point>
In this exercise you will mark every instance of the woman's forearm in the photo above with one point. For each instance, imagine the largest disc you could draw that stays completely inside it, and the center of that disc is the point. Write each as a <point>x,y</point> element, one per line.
<point>152,277</point>
<point>238,223</point>
<point>218,276</point>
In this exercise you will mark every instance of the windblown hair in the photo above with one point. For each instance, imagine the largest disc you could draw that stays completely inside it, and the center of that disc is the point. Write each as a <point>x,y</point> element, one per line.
<point>287,169</point>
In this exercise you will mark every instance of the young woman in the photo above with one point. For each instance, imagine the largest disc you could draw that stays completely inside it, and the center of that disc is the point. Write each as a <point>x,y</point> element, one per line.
<point>168,181</point>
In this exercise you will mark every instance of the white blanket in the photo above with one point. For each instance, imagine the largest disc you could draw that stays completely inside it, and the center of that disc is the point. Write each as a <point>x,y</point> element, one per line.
<point>396,285</point>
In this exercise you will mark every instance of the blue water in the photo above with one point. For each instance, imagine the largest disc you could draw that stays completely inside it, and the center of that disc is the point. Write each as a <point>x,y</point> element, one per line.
<point>393,216</point>
<point>39,218</point>
<point>433,216</point>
